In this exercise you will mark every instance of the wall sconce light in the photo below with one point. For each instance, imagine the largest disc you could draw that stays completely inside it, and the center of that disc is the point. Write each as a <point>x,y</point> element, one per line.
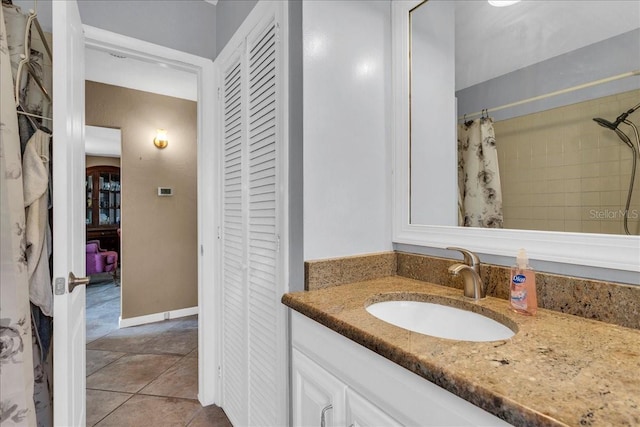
<point>161,140</point>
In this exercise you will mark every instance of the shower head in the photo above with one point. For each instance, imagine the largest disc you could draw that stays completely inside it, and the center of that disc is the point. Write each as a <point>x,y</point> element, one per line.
<point>606,123</point>
<point>620,119</point>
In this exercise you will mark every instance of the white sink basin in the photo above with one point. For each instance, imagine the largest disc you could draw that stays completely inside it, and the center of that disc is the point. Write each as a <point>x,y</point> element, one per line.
<point>440,321</point>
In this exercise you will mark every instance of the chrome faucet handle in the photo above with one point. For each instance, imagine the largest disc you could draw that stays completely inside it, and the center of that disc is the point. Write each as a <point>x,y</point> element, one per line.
<point>470,258</point>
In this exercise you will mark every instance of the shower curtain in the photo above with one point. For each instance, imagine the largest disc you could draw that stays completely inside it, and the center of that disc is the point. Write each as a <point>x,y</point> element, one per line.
<point>480,194</point>
<point>16,357</point>
<point>26,291</point>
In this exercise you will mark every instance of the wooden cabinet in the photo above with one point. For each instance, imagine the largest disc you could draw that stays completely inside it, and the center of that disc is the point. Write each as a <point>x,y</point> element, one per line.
<point>102,216</point>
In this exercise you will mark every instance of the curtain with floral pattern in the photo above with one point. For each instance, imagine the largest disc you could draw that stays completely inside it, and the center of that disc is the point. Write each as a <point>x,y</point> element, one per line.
<point>16,357</point>
<point>480,198</point>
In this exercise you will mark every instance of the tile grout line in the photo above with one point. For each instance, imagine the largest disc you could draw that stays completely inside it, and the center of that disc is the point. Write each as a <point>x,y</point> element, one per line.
<point>113,410</point>
<point>158,376</point>
<point>114,360</point>
<point>180,358</point>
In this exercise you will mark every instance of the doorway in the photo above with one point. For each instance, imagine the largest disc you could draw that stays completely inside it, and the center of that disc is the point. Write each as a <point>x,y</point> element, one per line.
<point>158,240</point>
<point>115,44</point>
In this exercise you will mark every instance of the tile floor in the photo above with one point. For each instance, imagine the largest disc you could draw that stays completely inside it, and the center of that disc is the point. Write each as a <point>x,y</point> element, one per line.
<point>143,375</point>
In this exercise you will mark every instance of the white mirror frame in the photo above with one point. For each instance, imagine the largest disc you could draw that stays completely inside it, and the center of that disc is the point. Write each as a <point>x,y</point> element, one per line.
<point>595,250</point>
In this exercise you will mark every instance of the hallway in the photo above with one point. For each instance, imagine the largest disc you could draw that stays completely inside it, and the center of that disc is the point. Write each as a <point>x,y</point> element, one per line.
<point>142,375</point>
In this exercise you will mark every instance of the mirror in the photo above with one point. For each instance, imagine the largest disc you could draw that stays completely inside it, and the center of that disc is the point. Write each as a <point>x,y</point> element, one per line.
<point>533,80</point>
<point>438,230</point>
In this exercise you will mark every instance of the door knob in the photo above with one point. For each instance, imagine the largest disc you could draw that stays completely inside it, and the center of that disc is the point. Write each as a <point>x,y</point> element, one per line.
<point>75,281</point>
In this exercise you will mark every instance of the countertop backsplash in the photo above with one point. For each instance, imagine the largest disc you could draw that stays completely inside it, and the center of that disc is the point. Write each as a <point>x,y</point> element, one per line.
<point>592,299</point>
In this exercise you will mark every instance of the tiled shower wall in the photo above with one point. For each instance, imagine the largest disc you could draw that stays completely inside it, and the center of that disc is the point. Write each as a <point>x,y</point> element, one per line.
<point>560,171</point>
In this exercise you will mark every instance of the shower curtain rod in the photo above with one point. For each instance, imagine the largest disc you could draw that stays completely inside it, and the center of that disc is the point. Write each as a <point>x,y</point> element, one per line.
<point>550,94</point>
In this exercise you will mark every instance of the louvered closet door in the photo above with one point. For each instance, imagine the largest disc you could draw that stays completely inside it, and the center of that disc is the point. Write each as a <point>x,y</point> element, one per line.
<point>254,379</point>
<point>234,351</point>
<point>264,307</point>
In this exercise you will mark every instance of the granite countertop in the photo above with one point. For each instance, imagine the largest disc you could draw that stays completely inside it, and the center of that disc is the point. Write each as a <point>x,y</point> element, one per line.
<point>557,370</point>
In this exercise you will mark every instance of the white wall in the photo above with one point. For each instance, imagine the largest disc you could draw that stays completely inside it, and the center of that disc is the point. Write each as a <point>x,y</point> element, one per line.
<point>347,155</point>
<point>296,149</point>
<point>229,15</point>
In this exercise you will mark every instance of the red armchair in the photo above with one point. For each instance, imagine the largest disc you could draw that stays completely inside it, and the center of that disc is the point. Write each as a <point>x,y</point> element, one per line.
<point>100,260</point>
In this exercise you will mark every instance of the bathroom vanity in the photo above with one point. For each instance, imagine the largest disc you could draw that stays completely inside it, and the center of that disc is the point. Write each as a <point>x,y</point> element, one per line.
<point>336,382</point>
<point>350,368</point>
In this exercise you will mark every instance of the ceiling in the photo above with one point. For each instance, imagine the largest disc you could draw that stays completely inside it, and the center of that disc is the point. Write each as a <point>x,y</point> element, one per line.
<point>498,40</point>
<point>495,40</point>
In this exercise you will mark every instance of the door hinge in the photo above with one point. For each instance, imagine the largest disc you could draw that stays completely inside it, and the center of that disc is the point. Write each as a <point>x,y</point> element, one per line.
<point>219,233</point>
<point>277,243</point>
<point>201,250</point>
<point>219,96</point>
<point>219,371</point>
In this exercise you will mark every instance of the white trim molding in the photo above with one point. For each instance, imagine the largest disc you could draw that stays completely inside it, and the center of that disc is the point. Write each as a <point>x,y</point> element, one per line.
<point>583,249</point>
<point>156,317</point>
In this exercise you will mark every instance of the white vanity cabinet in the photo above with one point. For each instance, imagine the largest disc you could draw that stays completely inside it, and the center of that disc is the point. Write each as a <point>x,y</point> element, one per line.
<point>357,387</point>
<point>321,399</point>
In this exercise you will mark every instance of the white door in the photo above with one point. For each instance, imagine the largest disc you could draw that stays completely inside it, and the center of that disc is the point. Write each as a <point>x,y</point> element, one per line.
<point>252,100</point>
<point>68,215</point>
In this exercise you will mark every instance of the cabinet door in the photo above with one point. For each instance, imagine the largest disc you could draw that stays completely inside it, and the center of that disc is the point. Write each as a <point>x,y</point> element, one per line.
<point>103,197</point>
<point>317,394</point>
<point>362,413</point>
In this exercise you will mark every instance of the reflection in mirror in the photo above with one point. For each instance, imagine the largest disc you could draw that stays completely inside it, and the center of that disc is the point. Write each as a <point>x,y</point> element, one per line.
<point>518,87</point>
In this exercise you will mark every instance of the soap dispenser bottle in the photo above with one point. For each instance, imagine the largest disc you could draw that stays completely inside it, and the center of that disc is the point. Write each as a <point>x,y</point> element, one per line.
<point>523,286</point>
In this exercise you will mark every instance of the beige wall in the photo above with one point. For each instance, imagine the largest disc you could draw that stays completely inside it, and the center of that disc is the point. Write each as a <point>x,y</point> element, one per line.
<point>102,161</point>
<point>560,171</point>
<point>159,234</point>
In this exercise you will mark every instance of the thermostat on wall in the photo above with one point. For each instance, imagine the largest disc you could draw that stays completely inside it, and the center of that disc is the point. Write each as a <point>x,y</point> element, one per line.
<point>165,191</point>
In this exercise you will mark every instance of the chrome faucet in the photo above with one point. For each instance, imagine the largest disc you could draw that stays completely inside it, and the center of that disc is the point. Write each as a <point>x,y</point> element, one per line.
<point>470,271</point>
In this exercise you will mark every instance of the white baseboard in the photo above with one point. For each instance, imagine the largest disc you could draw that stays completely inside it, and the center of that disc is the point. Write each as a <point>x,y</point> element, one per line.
<point>156,317</point>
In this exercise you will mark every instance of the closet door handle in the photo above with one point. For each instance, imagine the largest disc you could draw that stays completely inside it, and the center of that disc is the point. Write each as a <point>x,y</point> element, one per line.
<point>323,417</point>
